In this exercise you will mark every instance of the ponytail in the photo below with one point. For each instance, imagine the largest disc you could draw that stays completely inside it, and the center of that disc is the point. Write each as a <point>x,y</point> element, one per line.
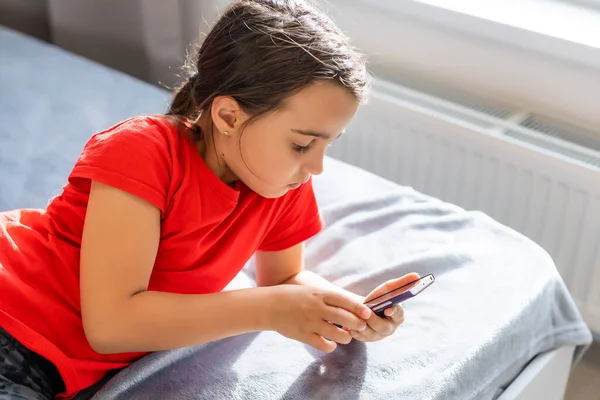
<point>183,103</point>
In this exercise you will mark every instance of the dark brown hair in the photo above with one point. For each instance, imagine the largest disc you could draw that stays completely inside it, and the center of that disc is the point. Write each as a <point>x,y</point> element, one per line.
<point>262,51</point>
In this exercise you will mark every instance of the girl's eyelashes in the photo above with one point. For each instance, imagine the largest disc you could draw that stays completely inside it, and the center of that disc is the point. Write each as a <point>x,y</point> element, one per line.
<point>301,149</point>
<point>304,149</point>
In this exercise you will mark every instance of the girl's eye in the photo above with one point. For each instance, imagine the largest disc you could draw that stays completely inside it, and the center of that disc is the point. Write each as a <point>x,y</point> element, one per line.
<point>300,149</point>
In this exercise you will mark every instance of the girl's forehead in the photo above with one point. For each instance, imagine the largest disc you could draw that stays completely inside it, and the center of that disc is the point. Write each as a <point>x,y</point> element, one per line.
<point>324,108</point>
<point>321,98</point>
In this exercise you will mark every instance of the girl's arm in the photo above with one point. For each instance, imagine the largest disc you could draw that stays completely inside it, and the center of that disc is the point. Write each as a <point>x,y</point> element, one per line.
<point>119,246</point>
<point>287,267</point>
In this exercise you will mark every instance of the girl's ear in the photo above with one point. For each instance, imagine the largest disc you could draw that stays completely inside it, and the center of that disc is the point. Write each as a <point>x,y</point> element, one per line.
<point>227,114</point>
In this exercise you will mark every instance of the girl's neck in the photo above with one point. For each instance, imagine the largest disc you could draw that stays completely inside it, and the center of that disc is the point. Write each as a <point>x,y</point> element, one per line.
<point>208,148</point>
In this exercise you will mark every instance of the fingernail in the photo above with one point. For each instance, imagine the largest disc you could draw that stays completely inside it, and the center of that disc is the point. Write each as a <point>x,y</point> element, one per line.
<point>365,313</point>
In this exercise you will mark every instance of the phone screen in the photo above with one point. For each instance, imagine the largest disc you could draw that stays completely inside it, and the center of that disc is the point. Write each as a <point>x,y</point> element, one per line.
<point>401,294</point>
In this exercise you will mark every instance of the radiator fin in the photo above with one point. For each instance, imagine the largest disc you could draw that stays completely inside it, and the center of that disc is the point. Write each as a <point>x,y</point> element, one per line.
<point>572,134</point>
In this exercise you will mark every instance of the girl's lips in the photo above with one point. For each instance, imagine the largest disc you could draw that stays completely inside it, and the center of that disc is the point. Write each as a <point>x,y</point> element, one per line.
<point>297,185</point>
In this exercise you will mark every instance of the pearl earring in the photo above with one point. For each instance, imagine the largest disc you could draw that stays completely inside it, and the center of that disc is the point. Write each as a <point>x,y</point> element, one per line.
<point>226,133</point>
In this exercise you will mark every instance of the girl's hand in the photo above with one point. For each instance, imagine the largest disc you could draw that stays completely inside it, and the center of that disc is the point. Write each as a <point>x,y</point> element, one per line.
<point>307,314</point>
<point>379,328</point>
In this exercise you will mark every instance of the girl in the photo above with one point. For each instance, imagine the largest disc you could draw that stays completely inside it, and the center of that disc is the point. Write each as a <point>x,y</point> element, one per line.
<point>161,212</point>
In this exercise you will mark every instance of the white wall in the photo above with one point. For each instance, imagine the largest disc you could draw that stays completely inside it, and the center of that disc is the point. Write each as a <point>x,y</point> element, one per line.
<point>404,48</point>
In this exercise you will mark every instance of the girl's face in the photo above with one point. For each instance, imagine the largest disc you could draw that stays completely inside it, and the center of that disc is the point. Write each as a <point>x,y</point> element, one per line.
<point>280,151</point>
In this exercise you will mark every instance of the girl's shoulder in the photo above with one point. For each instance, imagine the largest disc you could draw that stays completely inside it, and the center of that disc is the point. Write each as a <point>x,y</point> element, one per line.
<point>143,137</point>
<point>142,128</point>
<point>137,155</point>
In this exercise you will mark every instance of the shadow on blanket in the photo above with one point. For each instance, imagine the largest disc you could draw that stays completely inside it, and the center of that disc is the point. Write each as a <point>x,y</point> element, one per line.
<point>166,374</point>
<point>337,375</point>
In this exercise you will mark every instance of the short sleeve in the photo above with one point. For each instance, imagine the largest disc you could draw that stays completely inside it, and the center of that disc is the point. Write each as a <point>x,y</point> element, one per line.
<point>299,220</point>
<point>132,156</point>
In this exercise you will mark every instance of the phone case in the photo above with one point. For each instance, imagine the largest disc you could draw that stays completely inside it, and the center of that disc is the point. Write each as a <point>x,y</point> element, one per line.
<point>396,296</point>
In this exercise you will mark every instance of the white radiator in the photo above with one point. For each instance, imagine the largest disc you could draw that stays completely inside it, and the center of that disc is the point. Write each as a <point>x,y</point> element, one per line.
<point>538,178</point>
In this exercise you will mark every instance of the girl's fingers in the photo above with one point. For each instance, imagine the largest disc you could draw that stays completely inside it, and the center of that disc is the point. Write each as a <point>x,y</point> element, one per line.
<point>395,313</point>
<point>320,343</point>
<point>382,326</point>
<point>348,303</point>
<point>392,284</point>
<point>378,328</point>
<point>368,335</point>
<point>333,333</point>
<point>344,318</point>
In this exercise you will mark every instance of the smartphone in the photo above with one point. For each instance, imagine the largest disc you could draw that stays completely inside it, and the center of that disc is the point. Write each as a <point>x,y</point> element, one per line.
<point>396,296</point>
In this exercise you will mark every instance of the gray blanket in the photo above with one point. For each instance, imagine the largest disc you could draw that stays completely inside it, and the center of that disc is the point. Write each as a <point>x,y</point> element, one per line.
<point>498,300</point>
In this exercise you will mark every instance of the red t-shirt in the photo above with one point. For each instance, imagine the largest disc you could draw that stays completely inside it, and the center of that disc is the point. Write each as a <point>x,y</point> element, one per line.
<point>209,230</point>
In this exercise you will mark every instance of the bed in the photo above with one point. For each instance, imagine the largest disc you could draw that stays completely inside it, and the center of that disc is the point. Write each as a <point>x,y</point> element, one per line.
<point>498,323</point>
